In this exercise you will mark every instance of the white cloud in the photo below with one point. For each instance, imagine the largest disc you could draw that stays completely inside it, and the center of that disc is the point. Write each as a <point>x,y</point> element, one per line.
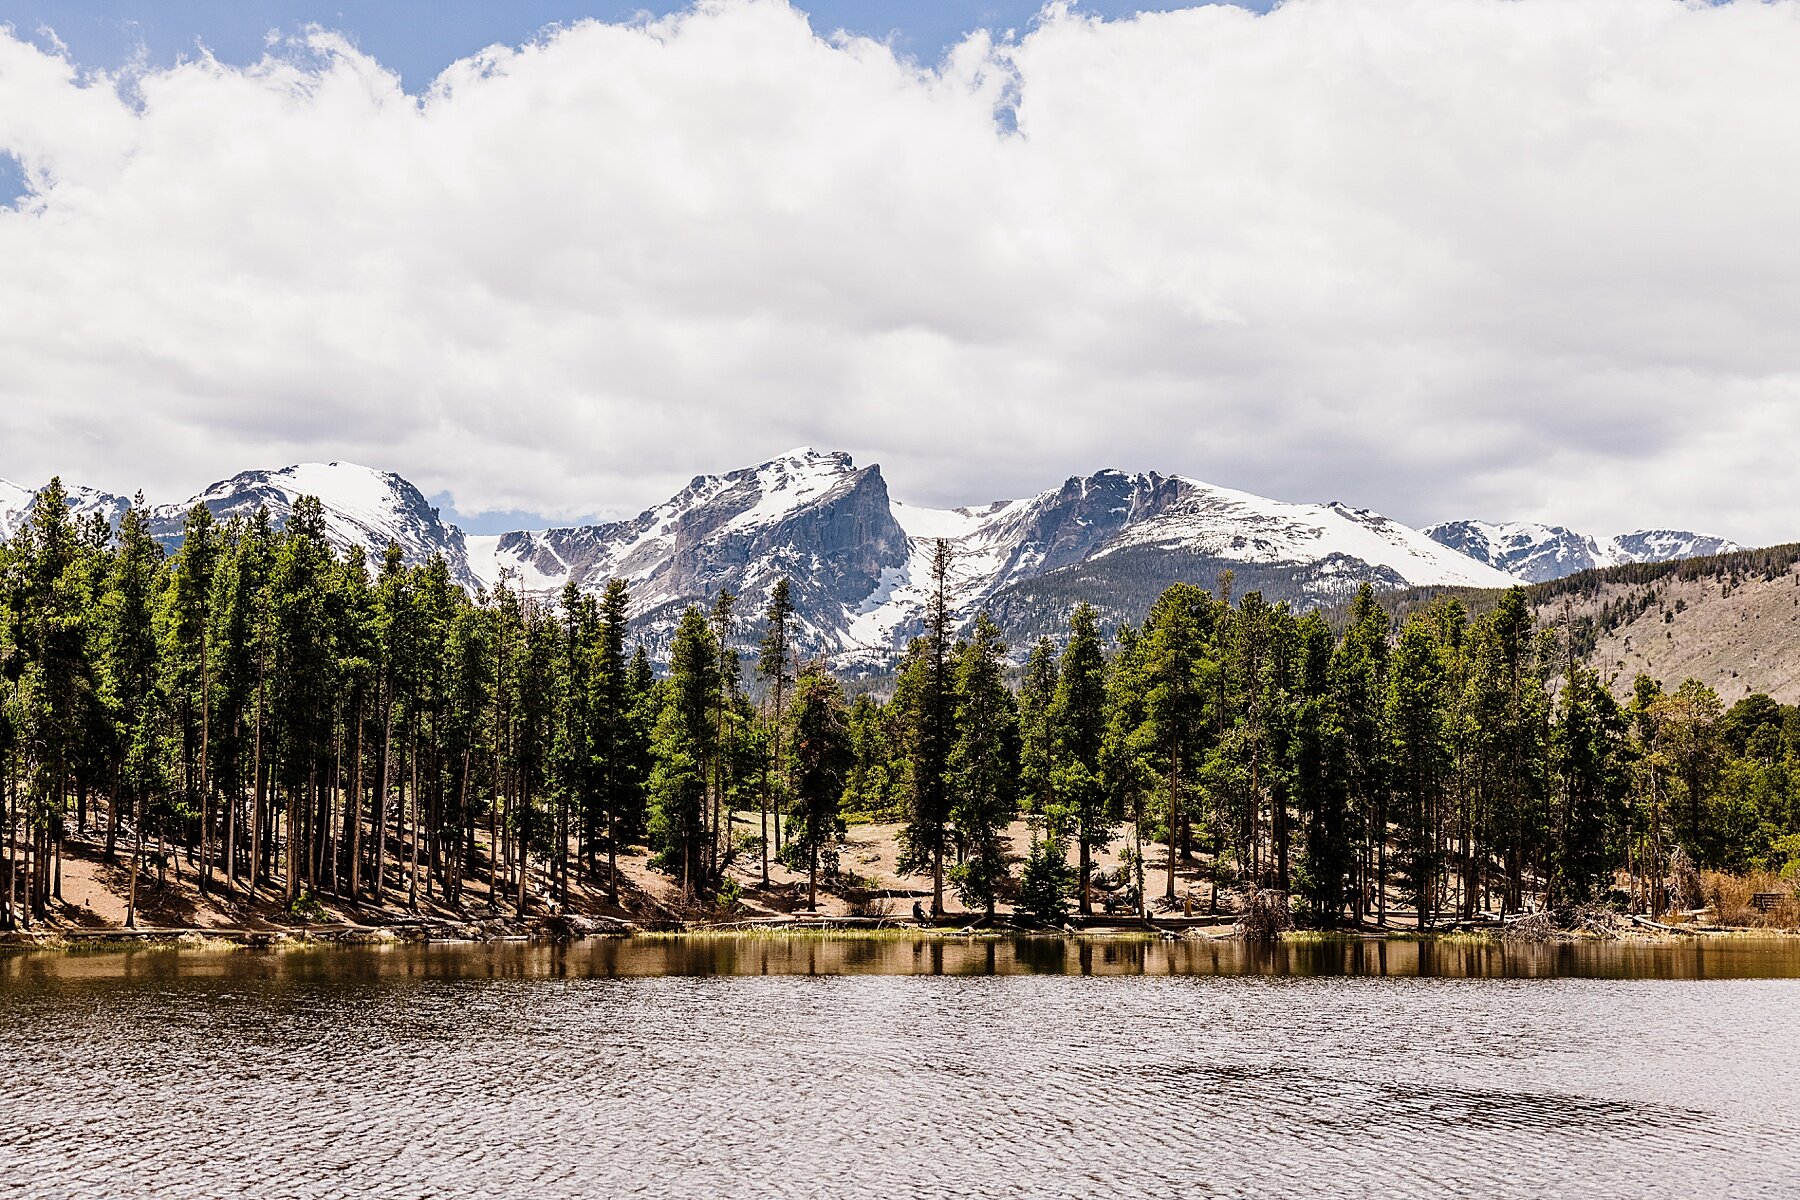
<point>1439,257</point>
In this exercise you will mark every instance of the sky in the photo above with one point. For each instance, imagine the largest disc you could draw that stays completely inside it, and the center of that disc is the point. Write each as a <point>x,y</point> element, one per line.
<point>1510,259</point>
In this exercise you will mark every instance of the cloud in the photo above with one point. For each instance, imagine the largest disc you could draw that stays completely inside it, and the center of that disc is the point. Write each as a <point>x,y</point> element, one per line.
<point>1437,257</point>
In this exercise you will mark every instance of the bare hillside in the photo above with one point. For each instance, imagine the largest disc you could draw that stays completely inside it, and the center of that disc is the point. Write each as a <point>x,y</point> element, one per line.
<point>1735,629</point>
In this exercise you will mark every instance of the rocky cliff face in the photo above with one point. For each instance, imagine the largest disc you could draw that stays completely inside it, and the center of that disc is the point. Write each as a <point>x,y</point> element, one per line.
<point>813,517</point>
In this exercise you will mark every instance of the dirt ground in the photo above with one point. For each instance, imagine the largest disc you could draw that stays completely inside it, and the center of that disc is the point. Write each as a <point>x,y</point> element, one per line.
<point>870,884</point>
<point>94,892</point>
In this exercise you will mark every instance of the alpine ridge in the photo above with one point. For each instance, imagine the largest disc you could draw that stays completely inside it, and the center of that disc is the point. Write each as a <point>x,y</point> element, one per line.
<point>859,561</point>
<point>1538,553</point>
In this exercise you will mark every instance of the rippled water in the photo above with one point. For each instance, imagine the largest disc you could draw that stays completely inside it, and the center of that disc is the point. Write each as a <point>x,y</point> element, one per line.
<point>883,1069</point>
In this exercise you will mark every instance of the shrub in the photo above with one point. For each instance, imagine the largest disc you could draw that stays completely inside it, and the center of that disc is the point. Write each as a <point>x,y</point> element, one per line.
<point>1047,883</point>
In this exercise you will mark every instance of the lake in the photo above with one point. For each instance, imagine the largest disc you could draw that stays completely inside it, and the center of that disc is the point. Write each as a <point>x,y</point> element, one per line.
<point>895,1067</point>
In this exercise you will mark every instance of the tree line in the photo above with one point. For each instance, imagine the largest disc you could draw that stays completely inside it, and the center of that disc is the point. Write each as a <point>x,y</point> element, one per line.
<point>288,721</point>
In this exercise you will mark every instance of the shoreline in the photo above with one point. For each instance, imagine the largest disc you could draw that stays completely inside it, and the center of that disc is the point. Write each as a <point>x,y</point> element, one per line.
<point>552,931</point>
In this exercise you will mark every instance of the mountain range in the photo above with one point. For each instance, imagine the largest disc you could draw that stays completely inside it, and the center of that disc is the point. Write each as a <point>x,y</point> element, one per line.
<point>1536,553</point>
<point>859,561</point>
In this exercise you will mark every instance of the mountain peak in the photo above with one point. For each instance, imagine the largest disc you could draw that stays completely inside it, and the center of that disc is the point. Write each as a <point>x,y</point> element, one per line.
<point>811,454</point>
<point>363,507</point>
<point>1536,552</point>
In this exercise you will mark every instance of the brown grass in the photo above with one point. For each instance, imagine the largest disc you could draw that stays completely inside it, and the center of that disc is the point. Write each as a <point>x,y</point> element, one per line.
<point>1729,896</point>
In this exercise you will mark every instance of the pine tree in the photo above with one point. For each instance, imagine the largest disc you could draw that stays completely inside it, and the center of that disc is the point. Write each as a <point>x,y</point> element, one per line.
<point>1077,722</point>
<point>872,787</point>
<point>55,681</point>
<point>1128,749</point>
<point>682,747</point>
<point>984,765</point>
<point>1359,678</point>
<point>1037,749</point>
<point>1177,676</point>
<point>821,760</point>
<point>614,736</point>
<point>924,695</point>
<point>189,663</point>
<point>774,668</point>
<point>131,672</point>
<point>1588,762</point>
<point>303,686</point>
<point>1418,756</point>
<point>1319,762</point>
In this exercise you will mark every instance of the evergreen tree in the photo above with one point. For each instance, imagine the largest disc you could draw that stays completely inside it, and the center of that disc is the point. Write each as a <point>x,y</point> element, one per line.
<point>822,757</point>
<point>615,736</point>
<point>1417,752</point>
<point>984,765</point>
<point>1037,748</point>
<point>1588,759</point>
<point>1359,678</point>
<point>774,667</point>
<point>1177,676</point>
<point>1077,732</point>
<point>1319,763</point>
<point>681,747</point>
<point>924,696</point>
<point>873,787</point>
<point>132,669</point>
<point>1046,881</point>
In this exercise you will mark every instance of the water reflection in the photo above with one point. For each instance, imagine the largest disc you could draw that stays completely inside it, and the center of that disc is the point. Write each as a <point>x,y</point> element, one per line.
<point>699,955</point>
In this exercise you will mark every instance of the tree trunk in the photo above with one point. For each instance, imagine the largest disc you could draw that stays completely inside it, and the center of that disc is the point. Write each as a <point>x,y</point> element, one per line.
<point>137,855</point>
<point>353,811</point>
<point>382,769</point>
<point>524,851</point>
<point>1381,871</point>
<point>256,810</point>
<point>1174,790</point>
<point>937,880</point>
<point>412,810</point>
<point>1086,903</point>
<point>205,765</point>
<point>112,816</point>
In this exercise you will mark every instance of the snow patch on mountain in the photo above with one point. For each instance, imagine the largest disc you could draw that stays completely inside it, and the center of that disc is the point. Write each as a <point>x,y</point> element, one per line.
<point>361,506</point>
<point>1661,545</point>
<point>16,501</point>
<point>1231,524</point>
<point>1090,518</point>
<point>1536,552</point>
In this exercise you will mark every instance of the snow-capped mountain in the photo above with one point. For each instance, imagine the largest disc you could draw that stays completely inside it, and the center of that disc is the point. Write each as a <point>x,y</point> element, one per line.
<point>1118,539</point>
<point>1537,552</point>
<point>362,506</point>
<point>811,516</point>
<point>15,505</point>
<point>859,563</point>
<point>15,502</point>
<point>1661,545</point>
